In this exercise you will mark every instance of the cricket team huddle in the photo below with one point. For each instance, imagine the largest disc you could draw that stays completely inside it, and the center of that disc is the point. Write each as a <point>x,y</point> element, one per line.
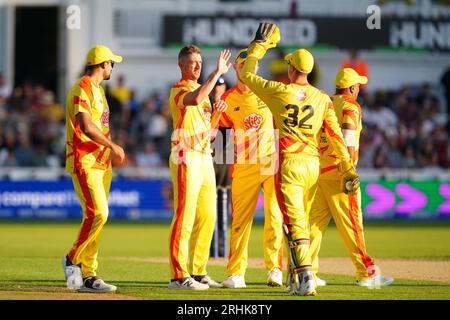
<point>293,141</point>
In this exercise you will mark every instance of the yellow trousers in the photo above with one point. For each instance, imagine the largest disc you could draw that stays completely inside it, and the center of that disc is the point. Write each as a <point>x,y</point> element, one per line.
<point>92,188</point>
<point>347,215</point>
<point>296,184</point>
<point>245,189</point>
<point>192,227</point>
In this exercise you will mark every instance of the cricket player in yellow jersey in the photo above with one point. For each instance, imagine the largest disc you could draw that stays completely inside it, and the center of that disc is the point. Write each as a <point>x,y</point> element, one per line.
<point>192,171</point>
<point>253,168</point>
<point>88,160</point>
<point>300,112</point>
<point>330,199</point>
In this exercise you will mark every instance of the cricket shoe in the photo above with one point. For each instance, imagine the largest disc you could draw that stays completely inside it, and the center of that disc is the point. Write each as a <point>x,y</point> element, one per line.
<point>187,284</point>
<point>96,285</point>
<point>307,285</point>
<point>375,282</point>
<point>234,282</point>
<point>320,282</point>
<point>275,278</point>
<point>291,282</point>
<point>72,274</point>
<point>208,281</point>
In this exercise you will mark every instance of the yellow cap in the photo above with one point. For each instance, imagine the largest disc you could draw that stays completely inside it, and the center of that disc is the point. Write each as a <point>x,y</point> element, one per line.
<point>241,56</point>
<point>99,54</point>
<point>347,77</point>
<point>302,60</point>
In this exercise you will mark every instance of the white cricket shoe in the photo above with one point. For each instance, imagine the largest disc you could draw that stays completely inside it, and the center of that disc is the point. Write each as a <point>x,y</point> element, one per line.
<point>375,282</point>
<point>72,274</point>
<point>234,282</point>
<point>307,285</point>
<point>187,284</point>
<point>207,280</point>
<point>96,285</point>
<point>275,278</point>
<point>320,282</point>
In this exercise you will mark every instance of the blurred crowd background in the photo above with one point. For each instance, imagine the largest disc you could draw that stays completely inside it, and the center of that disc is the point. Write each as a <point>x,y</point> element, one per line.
<point>406,128</point>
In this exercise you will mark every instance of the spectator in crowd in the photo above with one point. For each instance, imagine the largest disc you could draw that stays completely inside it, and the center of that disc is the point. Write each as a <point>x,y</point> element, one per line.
<point>156,97</point>
<point>130,110</point>
<point>409,161</point>
<point>148,157</point>
<point>8,158</point>
<point>4,94</point>
<point>5,89</point>
<point>382,117</point>
<point>121,92</point>
<point>445,81</point>
<point>358,64</point>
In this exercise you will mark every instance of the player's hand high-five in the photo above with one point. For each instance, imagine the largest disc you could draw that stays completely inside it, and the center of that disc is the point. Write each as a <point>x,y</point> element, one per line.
<point>222,61</point>
<point>267,36</point>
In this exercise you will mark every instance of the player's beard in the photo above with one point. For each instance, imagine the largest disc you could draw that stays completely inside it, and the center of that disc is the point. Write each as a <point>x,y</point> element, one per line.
<point>108,77</point>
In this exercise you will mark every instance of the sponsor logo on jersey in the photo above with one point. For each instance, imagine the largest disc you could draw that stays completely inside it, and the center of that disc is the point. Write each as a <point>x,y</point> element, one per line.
<point>253,122</point>
<point>236,108</point>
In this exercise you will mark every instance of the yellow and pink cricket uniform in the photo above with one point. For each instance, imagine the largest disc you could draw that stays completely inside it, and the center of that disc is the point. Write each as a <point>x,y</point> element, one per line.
<point>253,169</point>
<point>332,201</point>
<point>90,166</point>
<point>300,111</point>
<point>194,184</point>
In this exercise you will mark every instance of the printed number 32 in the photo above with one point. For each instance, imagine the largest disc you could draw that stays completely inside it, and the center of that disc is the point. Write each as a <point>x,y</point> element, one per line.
<point>294,121</point>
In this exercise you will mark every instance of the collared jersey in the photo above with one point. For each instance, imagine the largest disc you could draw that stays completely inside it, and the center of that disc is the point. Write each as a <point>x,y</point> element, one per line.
<point>300,112</point>
<point>347,111</point>
<point>82,153</point>
<point>192,124</point>
<point>252,124</point>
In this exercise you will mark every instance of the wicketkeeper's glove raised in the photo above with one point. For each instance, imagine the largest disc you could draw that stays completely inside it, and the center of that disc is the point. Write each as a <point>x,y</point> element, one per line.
<point>267,36</point>
<point>350,178</point>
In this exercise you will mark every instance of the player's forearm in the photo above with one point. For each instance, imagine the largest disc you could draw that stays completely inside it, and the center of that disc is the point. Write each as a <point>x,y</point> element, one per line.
<point>248,74</point>
<point>334,136</point>
<point>215,123</point>
<point>96,135</point>
<point>349,134</point>
<point>197,96</point>
<point>351,152</point>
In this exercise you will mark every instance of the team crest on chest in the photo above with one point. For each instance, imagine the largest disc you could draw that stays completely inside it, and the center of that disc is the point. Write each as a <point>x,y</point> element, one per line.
<point>253,122</point>
<point>300,95</point>
<point>105,118</point>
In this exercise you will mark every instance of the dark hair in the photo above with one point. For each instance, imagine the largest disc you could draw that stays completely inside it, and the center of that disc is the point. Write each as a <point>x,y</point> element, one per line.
<point>88,69</point>
<point>184,52</point>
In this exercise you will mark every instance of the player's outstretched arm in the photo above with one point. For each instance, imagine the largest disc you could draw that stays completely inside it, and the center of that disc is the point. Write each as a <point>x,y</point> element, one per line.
<point>267,36</point>
<point>197,96</point>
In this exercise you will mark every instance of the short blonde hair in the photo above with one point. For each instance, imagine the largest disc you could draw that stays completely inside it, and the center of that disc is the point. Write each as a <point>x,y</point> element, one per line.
<point>184,52</point>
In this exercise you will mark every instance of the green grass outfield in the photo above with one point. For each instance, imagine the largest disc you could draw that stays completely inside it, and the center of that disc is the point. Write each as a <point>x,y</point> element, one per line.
<point>134,257</point>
